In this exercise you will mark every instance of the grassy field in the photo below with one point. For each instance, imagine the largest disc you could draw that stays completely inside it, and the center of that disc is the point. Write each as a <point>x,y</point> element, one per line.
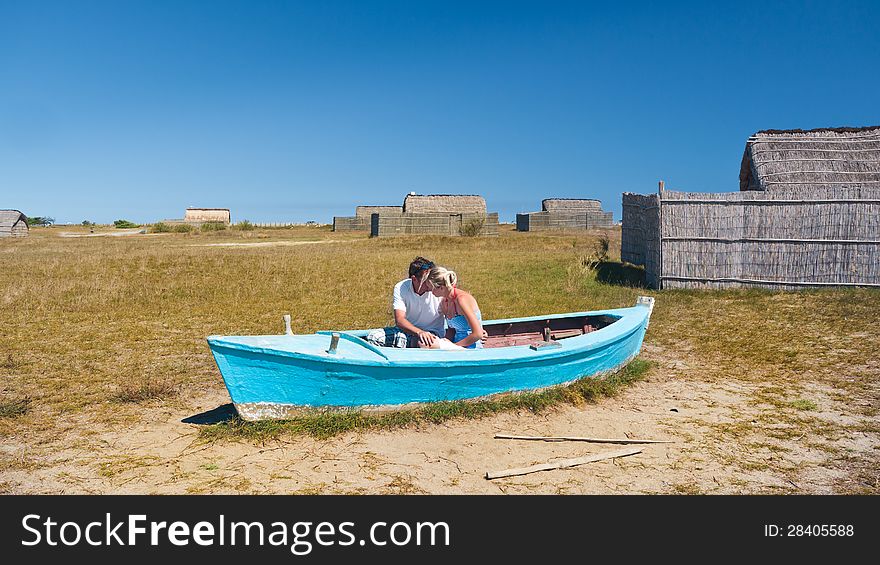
<point>104,332</point>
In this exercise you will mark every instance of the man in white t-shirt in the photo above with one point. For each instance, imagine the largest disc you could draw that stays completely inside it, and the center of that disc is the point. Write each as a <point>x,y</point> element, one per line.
<point>416,311</point>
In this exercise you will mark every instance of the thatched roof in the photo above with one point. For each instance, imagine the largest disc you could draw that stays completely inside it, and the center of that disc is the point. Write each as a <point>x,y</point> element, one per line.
<point>827,158</point>
<point>451,203</point>
<point>9,218</point>
<point>570,205</point>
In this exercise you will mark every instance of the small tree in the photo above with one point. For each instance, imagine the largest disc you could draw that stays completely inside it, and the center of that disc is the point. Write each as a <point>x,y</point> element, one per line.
<point>122,224</point>
<point>40,221</point>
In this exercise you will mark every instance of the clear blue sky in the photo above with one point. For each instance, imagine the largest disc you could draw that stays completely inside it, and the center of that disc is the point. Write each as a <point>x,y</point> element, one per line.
<point>294,111</point>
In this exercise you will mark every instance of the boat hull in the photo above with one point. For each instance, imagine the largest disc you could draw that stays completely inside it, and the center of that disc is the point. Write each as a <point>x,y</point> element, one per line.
<point>270,377</point>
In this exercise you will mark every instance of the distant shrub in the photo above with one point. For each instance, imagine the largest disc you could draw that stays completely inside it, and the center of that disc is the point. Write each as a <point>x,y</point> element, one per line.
<point>123,224</point>
<point>183,228</point>
<point>213,226</point>
<point>160,227</point>
<point>40,221</point>
<point>244,225</point>
<point>472,228</point>
<point>87,223</point>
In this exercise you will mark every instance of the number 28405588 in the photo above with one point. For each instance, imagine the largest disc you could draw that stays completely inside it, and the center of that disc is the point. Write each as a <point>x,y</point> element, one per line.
<point>800,530</point>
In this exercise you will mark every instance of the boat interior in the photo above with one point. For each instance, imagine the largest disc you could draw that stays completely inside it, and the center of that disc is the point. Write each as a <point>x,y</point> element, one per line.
<point>543,333</point>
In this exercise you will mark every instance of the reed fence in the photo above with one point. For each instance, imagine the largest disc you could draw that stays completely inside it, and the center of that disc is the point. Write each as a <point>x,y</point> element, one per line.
<point>780,239</point>
<point>382,225</point>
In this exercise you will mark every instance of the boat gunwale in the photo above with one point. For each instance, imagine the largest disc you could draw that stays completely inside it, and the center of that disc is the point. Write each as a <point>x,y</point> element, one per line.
<point>627,324</point>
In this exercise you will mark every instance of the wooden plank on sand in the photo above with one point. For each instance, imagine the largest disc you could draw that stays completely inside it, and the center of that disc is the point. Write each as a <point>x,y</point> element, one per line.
<point>563,463</point>
<point>624,441</point>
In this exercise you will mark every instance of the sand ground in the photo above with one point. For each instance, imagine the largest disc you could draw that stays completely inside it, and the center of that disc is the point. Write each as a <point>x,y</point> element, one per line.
<point>162,453</point>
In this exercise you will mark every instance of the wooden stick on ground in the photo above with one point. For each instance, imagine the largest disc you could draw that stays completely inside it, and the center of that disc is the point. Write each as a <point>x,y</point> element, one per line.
<point>588,439</point>
<point>563,463</point>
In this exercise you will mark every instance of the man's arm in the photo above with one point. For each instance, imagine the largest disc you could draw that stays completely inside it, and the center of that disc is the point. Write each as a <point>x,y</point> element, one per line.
<point>425,338</point>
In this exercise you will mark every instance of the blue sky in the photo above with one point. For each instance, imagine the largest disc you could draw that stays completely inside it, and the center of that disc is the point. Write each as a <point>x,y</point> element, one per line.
<point>295,111</point>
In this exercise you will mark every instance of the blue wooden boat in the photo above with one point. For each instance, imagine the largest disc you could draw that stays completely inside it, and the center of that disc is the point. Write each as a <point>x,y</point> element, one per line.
<point>280,376</point>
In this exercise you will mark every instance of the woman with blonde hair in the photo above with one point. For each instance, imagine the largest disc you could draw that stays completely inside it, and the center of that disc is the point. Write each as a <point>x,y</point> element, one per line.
<point>463,317</point>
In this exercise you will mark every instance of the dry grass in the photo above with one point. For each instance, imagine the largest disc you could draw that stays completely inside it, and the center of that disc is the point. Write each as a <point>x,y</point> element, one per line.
<point>96,316</point>
<point>101,324</point>
<point>145,390</point>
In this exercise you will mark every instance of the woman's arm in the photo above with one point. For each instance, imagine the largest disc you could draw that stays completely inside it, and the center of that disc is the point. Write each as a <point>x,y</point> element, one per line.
<point>467,306</point>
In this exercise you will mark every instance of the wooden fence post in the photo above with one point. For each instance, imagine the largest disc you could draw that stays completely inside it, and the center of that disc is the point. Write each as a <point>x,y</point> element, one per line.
<point>660,188</point>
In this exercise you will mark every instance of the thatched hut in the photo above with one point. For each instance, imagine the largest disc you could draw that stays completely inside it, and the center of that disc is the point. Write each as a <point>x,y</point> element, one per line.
<point>566,213</point>
<point>825,159</point>
<point>13,224</point>
<point>202,215</point>
<point>437,214</point>
<point>807,214</point>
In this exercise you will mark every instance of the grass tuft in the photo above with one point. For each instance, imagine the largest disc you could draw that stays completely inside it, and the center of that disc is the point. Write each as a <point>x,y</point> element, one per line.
<point>804,404</point>
<point>145,390</point>
<point>15,408</point>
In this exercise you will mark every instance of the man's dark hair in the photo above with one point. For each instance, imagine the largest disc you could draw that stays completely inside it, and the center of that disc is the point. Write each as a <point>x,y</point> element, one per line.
<point>419,265</point>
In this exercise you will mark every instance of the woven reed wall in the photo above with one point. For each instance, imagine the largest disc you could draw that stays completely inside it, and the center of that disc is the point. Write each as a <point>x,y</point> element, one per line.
<point>541,221</point>
<point>361,219</point>
<point>444,203</point>
<point>350,223</point>
<point>779,239</point>
<point>430,224</point>
<point>366,211</point>
<point>640,234</point>
<point>18,229</point>
<point>207,215</point>
<point>570,205</point>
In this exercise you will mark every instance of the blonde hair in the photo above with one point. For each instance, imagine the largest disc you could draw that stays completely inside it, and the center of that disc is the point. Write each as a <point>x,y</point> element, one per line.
<point>441,276</point>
